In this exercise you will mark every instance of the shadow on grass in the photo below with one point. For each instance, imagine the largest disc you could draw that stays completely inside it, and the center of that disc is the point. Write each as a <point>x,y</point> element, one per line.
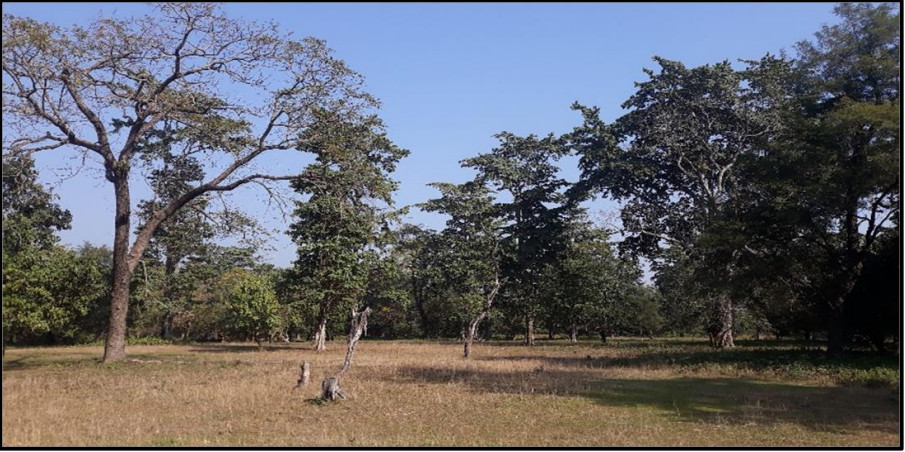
<point>866,368</point>
<point>708,400</point>
<point>28,362</point>
<point>15,364</point>
<point>245,348</point>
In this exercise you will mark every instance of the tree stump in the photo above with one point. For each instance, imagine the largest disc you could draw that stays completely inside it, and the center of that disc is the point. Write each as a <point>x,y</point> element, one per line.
<point>330,389</point>
<point>304,375</point>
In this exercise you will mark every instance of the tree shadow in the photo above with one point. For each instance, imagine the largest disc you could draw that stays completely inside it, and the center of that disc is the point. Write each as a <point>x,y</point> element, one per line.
<point>751,358</point>
<point>28,362</point>
<point>244,348</point>
<point>15,364</point>
<point>709,400</point>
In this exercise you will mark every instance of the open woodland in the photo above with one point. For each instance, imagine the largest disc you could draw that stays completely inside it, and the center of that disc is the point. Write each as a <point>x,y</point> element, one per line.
<point>747,292</point>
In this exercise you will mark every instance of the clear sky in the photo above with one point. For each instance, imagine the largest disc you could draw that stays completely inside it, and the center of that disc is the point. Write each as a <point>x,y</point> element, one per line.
<point>452,75</point>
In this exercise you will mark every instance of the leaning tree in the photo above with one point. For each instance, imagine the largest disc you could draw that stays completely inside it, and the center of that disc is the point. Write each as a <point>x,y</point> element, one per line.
<point>231,91</point>
<point>524,168</point>
<point>470,252</point>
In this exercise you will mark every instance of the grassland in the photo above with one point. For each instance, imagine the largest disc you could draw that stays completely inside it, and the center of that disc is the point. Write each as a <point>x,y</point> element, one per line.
<point>626,393</point>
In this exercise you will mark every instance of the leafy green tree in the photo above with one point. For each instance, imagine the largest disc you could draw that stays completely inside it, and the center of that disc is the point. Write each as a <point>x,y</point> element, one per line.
<point>524,167</point>
<point>390,296</point>
<point>47,292</point>
<point>30,217</point>
<point>588,285</point>
<point>419,254</point>
<point>30,222</point>
<point>251,306</point>
<point>831,185</point>
<point>673,159</point>
<point>643,305</point>
<point>339,224</point>
<point>107,89</point>
<point>471,250</point>
<point>182,235</point>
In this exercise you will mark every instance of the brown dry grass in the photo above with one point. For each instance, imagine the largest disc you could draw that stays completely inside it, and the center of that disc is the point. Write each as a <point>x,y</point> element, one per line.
<point>420,393</point>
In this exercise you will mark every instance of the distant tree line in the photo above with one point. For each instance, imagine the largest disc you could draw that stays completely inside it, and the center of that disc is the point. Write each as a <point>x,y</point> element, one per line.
<point>765,196</point>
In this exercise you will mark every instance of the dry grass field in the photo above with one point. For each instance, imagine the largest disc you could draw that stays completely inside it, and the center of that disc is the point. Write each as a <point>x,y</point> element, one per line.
<point>627,393</point>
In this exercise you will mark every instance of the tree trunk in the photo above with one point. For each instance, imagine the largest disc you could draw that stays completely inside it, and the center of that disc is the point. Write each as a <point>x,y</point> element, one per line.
<point>551,327</point>
<point>573,333</point>
<point>603,335</point>
<point>166,331</point>
<point>115,345</point>
<point>320,333</point>
<point>529,329</point>
<point>418,293</point>
<point>471,331</point>
<point>835,335</point>
<point>358,325</point>
<point>721,324</point>
<point>320,336</point>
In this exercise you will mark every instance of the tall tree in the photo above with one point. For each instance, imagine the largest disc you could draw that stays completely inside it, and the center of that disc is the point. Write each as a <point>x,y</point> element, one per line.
<point>524,167</point>
<point>339,224</point>
<point>471,250</point>
<point>106,88</point>
<point>677,169</point>
<point>833,182</point>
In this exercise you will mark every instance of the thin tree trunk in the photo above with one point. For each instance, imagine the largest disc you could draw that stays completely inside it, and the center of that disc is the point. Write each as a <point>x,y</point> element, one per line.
<point>471,331</point>
<point>488,303</point>
<point>418,293</point>
<point>573,333</point>
<point>167,331</point>
<point>529,329</point>
<point>115,345</point>
<point>358,325</point>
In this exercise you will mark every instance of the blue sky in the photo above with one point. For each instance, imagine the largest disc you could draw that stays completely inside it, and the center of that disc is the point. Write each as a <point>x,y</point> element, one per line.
<point>452,75</point>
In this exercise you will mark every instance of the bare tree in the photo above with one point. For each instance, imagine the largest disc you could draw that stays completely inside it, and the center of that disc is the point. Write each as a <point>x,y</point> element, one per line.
<point>227,90</point>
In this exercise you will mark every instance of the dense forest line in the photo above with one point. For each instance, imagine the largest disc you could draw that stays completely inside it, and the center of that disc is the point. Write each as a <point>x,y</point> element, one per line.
<point>764,194</point>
